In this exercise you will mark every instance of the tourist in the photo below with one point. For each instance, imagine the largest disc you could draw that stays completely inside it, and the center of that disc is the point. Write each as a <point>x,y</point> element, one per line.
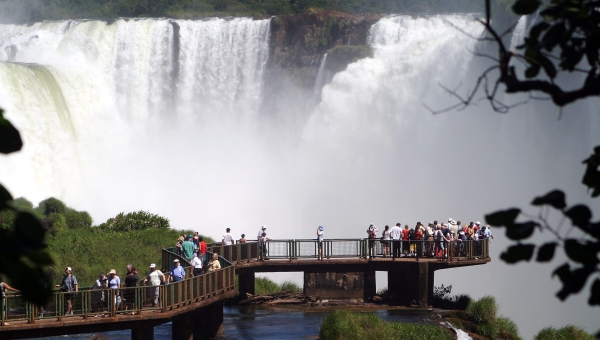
<point>454,230</point>
<point>197,263</point>
<point>260,232</point>
<point>177,272</point>
<point>69,285</point>
<point>202,247</point>
<point>227,238</point>
<point>263,244</point>
<point>131,281</point>
<point>405,238</point>
<point>98,297</point>
<point>214,264</point>
<point>372,235</point>
<point>429,239</point>
<point>396,234</point>
<point>243,239</point>
<point>487,232</point>
<point>412,236</point>
<point>419,240</point>
<point>187,249</point>
<point>114,282</point>
<point>4,287</point>
<point>178,244</point>
<point>320,233</point>
<point>129,268</point>
<point>386,239</point>
<point>439,244</point>
<point>196,242</point>
<point>156,278</point>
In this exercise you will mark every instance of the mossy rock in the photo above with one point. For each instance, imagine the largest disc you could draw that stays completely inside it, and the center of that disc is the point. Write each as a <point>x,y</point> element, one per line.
<point>339,57</point>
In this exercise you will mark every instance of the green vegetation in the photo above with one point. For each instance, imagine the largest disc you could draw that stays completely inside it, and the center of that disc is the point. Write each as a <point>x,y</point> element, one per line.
<point>443,299</point>
<point>135,238</point>
<point>140,220</point>
<point>344,325</point>
<point>265,286</point>
<point>36,10</point>
<point>483,314</point>
<point>565,333</point>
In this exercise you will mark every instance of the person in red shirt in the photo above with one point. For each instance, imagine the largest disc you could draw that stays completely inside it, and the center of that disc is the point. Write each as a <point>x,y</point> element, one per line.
<point>405,244</point>
<point>202,249</point>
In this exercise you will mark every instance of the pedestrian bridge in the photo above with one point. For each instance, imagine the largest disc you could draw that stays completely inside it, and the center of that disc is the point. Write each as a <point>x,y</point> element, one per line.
<point>195,305</point>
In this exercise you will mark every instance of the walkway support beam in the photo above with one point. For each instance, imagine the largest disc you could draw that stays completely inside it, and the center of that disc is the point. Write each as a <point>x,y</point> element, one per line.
<point>412,284</point>
<point>142,333</point>
<point>246,283</point>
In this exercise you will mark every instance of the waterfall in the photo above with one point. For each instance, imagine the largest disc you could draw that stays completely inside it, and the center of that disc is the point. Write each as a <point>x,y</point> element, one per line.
<point>166,116</point>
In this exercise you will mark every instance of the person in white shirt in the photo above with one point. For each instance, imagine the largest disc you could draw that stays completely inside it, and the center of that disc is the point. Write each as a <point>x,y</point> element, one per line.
<point>262,230</point>
<point>227,238</point>
<point>396,234</point>
<point>197,263</point>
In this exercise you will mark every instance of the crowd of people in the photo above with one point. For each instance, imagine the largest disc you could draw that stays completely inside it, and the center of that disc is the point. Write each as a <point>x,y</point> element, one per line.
<point>426,241</point>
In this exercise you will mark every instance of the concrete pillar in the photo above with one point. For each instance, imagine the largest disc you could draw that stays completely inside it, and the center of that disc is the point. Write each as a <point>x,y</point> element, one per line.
<point>335,285</point>
<point>209,321</point>
<point>142,333</point>
<point>246,284</point>
<point>370,285</point>
<point>412,284</point>
<point>182,328</point>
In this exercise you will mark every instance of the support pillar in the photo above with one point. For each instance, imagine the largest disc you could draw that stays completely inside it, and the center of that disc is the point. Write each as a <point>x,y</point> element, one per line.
<point>182,328</point>
<point>370,285</point>
<point>246,284</point>
<point>142,333</point>
<point>209,321</point>
<point>413,284</point>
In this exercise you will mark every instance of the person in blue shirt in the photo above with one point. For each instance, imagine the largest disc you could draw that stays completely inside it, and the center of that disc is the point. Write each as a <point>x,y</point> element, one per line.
<point>177,273</point>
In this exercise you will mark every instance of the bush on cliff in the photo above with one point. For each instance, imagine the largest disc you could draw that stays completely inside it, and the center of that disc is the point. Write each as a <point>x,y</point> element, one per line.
<point>483,314</point>
<point>135,221</point>
<point>565,333</point>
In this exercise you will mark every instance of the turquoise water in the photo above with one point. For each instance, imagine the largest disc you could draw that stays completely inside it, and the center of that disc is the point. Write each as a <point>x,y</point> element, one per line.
<point>257,322</point>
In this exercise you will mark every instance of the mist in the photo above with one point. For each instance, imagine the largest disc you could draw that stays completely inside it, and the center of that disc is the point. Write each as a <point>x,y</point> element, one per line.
<point>109,126</point>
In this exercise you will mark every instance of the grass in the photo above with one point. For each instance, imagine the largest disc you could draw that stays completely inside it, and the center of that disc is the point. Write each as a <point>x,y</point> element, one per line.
<point>344,325</point>
<point>266,286</point>
<point>483,310</point>
<point>91,252</point>
<point>566,333</point>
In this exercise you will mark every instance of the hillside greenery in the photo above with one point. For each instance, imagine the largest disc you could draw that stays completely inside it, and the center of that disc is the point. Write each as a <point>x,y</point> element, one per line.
<point>36,10</point>
<point>73,241</point>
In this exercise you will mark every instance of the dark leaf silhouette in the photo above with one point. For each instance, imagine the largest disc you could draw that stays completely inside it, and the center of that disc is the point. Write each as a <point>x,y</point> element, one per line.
<point>546,252</point>
<point>519,252</point>
<point>526,7</point>
<point>520,231</point>
<point>555,198</point>
<point>502,217</point>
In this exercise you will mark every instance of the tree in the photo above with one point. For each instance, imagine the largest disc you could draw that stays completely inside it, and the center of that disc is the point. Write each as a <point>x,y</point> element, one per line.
<point>566,40</point>
<point>22,247</point>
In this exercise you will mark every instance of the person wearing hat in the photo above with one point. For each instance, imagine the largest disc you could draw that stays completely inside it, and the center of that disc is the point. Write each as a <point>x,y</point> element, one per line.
<point>156,278</point>
<point>320,233</point>
<point>262,230</point>
<point>69,285</point>
<point>227,238</point>
<point>114,282</point>
<point>243,239</point>
<point>372,235</point>
<point>177,272</point>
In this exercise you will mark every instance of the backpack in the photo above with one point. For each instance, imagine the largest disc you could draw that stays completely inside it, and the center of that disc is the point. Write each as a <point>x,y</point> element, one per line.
<point>412,234</point>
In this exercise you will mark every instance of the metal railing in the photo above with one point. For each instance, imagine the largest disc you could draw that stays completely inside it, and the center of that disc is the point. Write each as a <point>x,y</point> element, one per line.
<point>353,248</point>
<point>89,303</point>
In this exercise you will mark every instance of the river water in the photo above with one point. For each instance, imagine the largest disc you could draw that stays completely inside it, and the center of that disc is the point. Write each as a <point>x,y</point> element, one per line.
<point>253,322</point>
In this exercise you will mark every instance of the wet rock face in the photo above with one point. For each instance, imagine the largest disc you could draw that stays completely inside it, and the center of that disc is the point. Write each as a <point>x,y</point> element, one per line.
<point>299,42</point>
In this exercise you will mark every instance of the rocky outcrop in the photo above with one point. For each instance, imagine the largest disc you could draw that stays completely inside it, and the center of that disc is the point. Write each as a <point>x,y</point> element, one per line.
<point>299,42</point>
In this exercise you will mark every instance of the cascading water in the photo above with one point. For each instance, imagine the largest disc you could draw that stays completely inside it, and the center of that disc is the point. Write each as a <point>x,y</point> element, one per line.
<point>129,115</point>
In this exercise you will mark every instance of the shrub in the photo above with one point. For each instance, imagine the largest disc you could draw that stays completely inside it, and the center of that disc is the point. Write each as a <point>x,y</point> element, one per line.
<point>77,219</point>
<point>289,286</point>
<point>443,299</point>
<point>489,330</point>
<point>51,205</point>
<point>483,310</point>
<point>566,333</point>
<point>135,221</point>
<point>382,291</point>
<point>264,286</point>
<point>507,326</point>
